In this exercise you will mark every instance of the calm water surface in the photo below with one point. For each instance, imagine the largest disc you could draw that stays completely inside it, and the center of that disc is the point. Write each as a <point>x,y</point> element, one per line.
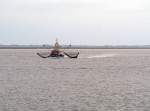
<point>99,80</point>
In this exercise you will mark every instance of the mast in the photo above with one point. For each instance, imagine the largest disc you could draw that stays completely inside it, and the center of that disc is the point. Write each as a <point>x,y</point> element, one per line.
<point>56,45</point>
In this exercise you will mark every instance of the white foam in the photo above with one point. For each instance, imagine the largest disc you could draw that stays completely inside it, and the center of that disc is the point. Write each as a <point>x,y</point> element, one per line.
<point>102,56</point>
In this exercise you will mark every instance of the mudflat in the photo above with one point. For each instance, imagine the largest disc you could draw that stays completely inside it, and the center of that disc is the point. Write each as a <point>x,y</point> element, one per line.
<point>99,80</point>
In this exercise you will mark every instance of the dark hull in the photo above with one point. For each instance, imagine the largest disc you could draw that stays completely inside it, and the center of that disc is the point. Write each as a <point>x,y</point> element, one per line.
<point>47,56</point>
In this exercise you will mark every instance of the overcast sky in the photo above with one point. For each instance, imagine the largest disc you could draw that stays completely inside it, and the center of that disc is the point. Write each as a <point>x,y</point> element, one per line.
<point>86,22</point>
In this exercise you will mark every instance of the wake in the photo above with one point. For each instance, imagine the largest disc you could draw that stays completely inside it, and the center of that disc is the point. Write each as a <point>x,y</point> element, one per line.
<point>100,56</point>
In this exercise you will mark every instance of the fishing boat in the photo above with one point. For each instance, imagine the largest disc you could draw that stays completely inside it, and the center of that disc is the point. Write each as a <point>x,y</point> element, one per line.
<point>57,53</point>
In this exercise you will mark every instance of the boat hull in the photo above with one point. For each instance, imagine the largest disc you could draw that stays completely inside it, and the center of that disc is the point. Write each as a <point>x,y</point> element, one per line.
<point>52,56</point>
<point>59,55</point>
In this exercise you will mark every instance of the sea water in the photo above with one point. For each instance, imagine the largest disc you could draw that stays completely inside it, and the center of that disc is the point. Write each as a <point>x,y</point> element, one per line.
<point>99,80</point>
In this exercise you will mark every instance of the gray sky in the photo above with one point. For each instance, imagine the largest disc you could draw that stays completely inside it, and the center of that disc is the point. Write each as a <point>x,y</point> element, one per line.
<point>88,22</point>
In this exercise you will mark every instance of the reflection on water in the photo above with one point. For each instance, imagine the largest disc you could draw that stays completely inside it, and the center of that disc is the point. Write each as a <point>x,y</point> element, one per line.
<point>100,80</point>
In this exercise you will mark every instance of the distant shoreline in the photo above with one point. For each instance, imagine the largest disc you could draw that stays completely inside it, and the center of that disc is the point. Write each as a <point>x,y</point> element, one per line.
<point>74,47</point>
